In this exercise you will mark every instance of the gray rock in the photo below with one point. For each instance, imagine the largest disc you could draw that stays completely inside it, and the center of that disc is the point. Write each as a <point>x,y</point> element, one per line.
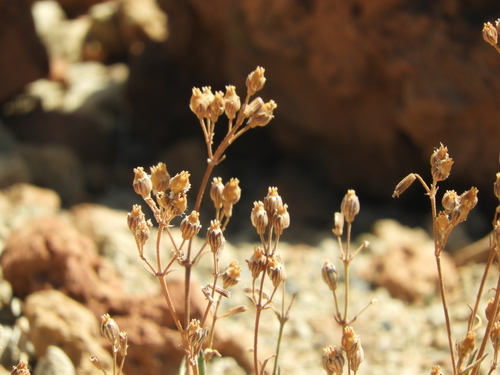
<point>54,362</point>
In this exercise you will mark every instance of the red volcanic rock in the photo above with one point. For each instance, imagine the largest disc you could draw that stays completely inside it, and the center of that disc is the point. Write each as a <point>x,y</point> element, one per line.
<point>20,47</point>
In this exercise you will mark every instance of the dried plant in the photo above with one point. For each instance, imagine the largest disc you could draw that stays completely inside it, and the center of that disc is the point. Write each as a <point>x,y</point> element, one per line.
<point>167,197</point>
<point>333,359</point>
<point>455,209</point>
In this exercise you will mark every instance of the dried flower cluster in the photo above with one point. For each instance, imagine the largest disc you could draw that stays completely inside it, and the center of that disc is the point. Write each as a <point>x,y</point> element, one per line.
<point>490,34</point>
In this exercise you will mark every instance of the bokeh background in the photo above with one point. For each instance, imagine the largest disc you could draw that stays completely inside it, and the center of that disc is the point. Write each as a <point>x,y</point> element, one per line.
<point>365,91</point>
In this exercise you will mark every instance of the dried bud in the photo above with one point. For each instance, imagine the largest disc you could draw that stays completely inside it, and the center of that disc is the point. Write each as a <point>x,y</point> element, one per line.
<point>232,192</point>
<point>135,217</point>
<point>436,370</point>
<point>350,341</point>
<point>350,206</point>
<point>330,275</point>
<point>216,192</point>
<point>109,329</point>
<point>464,347</point>
<point>255,81</point>
<point>272,201</point>
<point>263,115</point>
<point>142,183</point>
<point>123,343</point>
<point>450,200</point>
<point>441,164</point>
<point>355,358</point>
<point>259,217</point>
<point>280,219</point>
<point>231,275</point>
<point>276,270</point>
<point>252,107</point>
<point>190,225</point>
<point>215,237</point>
<point>490,309</point>
<point>160,178</point>
<point>180,183</point>
<point>198,103</point>
<point>95,361</point>
<point>490,34</point>
<point>469,198</point>
<point>232,102</point>
<point>404,184</point>
<point>338,222</point>
<point>333,360</point>
<point>216,107</point>
<point>21,369</point>
<point>495,336</point>
<point>257,262</point>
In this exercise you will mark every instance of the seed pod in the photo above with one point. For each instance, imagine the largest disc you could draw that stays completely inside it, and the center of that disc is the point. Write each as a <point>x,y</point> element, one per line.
<point>160,177</point>
<point>231,193</point>
<point>495,336</point>
<point>469,198</point>
<point>232,102</point>
<point>450,200</point>
<point>442,222</point>
<point>356,357</point>
<point>142,183</point>
<point>123,342</point>
<point>496,236</point>
<point>134,217</point>
<point>141,234</point>
<point>252,107</point>
<point>350,206</point>
<point>180,183</point>
<point>216,106</point>
<point>95,361</point>
<point>436,370</point>
<point>198,103</point>
<point>338,222</point>
<point>276,270</point>
<point>231,275</point>
<point>257,263</point>
<point>490,34</point>
<point>21,369</point>
<point>109,329</point>
<point>465,347</point>
<point>330,275</point>
<point>333,360</point>
<point>350,341</point>
<point>459,214</point>
<point>272,201</point>
<point>215,238</point>
<point>190,225</point>
<point>216,192</point>
<point>263,115</point>
<point>490,309</point>
<point>259,217</point>
<point>404,184</point>
<point>281,219</point>
<point>439,154</point>
<point>179,204</point>
<point>255,81</point>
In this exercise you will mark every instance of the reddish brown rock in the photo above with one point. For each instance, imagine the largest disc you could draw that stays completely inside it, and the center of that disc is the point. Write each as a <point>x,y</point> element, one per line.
<point>407,267</point>
<point>20,47</point>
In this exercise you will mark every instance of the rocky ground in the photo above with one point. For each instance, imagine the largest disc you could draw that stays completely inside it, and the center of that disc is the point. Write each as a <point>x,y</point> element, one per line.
<point>62,269</point>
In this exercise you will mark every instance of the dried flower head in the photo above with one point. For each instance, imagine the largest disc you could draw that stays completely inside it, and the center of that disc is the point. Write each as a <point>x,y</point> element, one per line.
<point>142,233</point>
<point>178,204</point>
<point>450,200</point>
<point>490,310</point>
<point>216,192</point>
<point>255,81</point>
<point>232,102</point>
<point>350,340</point>
<point>190,225</point>
<point>109,329</point>
<point>272,201</point>
<point>330,275</point>
<point>333,360</point>
<point>441,164</point>
<point>263,115</point>
<point>199,103</point>
<point>257,263</point>
<point>252,107</point>
<point>231,275</point>
<point>231,193</point>
<point>495,336</point>
<point>216,106</point>
<point>276,270</point>
<point>495,242</point>
<point>350,206</point>
<point>180,183</point>
<point>160,177</point>
<point>469,198</point>
<point>436,370</point>
<point>142,183</point>
<point>338,223</point>
<point>215,238</point>
<point>123,343</point>
<point>355,358</point>
<point>21,369</point>
<point>280,219</point>
<point>496,186</point>
<point>259,217</point>
<point>134,217</point>
<point>490,34</point>
<point>404,184</point>
<point>465,347</point>
<point>442,222</point>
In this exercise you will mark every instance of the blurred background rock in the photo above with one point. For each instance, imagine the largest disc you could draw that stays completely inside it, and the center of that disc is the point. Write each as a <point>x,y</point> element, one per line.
<point>365,91</point>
